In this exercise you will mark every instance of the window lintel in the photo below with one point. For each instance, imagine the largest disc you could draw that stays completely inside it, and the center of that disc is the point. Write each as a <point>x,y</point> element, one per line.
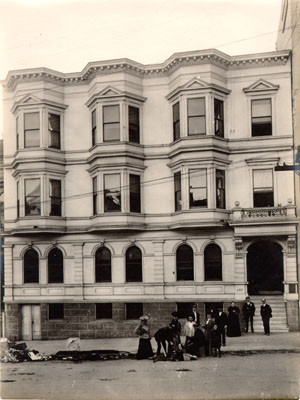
<point>30,101</point>
<point>112,94</point>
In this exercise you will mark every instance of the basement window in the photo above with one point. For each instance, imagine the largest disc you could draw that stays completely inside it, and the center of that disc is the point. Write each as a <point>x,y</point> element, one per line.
<point>134,310</point>
<point>56,311</point>
<point>104,311</point>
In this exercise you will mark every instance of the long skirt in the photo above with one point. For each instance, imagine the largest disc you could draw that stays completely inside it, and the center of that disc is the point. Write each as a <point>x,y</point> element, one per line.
<point>144,350</point>
<point>233,326</point>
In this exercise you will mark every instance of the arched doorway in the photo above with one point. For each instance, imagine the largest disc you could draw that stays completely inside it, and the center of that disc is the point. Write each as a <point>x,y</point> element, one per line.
<point>265,268</point>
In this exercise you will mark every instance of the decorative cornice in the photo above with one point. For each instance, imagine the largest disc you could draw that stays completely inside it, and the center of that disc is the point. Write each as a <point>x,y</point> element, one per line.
<point>29,101</point>
<point>177,60</point>
<point>112,93</point>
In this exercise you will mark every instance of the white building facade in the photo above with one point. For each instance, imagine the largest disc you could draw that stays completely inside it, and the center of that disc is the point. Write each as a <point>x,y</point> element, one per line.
<point>134,189</point>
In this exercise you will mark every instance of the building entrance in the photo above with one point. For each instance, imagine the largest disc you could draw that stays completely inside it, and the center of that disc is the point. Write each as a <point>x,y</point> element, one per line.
<point>31,322</point>
<point>265,268</point>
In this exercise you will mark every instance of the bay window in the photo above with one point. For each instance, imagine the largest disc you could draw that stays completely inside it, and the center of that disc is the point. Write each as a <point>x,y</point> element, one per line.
<point>55,197</point>
<point>197,188</point>
<point>135,193</point>
<point>220,188</point>
<point>111,123</point>
<point>54,130</point>
<point>134,124</point>
<point>177,188</point>
<point>196,116</point>
<point>112,192</point>
<point>32,197</point>
<point>219,117</point>
<point>32,129</point>
<point>176,121</point>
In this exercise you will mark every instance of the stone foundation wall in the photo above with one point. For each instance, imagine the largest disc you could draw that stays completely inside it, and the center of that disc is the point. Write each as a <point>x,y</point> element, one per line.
<point>80,320</point>
<point>292,309</point>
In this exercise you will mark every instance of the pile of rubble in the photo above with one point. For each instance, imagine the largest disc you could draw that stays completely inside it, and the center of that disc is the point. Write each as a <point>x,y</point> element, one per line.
<point>18,352</point>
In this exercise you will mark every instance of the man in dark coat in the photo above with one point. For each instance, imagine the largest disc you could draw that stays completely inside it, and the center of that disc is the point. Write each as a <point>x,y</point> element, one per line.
<point>162,337</point>
<point>249,312</point>
<point>266,314</point>
<point>195,315</point>
<point>221,322</point>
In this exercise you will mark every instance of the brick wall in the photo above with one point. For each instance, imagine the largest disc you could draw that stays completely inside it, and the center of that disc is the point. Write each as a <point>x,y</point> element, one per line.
<point>13,321</point>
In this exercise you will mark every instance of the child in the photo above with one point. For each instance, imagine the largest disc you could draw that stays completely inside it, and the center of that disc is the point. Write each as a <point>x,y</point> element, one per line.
<point>216,341</point>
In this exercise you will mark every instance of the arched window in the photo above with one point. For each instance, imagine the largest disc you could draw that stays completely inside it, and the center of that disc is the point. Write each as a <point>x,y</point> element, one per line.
<point>31,266</point>
<point>134,265</point>
<point>185,263</point>
<point>213,263</point>
<point>103,265</point>
<point>55,266</point>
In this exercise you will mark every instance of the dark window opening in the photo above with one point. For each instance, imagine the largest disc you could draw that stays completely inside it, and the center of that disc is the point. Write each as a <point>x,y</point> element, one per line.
<point>134,271</point>
<point>54,130</point>
<point>134,124</point>
<point>220,189</point>
<point>112,192</point>
<point>135,193</point>
<point>56,310</point>
<point>95,196</point>
<point>219,117</point>
<point>196,116</point>
<point>104,311</point>
<point>177,191</point>
<point>184,309</point>
<point>103,265</point>
<point>55,266</point>
<point>176,121</point>
<point>185,263</point>
<point>111,123</point>
<point>31,266</point>
<point>263,193</point>
<point>18,200</point>
<point>213,308</point>
<point>213,263</point>
<point>55,197</point>
<point>17,132</point>
<point>198,188</point>
<point>134,310</point>
<point>261,117</point>
<point>32,129</point>
<point>94,127</point>
<point>32,197</point>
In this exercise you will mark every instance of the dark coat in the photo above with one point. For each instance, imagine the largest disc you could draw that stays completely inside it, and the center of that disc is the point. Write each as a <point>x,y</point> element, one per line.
<point>249,309</point>
<point>215,339</point>
<point>265,311</point>
<point>221,320</point>
<point>197,319</point>
<point>164,334</point>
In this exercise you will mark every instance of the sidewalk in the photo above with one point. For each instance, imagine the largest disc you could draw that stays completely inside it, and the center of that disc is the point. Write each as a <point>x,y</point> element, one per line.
<point>247,342</point>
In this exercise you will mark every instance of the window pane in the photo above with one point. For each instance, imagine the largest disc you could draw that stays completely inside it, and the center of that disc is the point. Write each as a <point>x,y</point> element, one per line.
<point>111,132</point>
<point>103,265</point>
<point>176,121</point>
<point>54,130</point>
<point>177,187</point>
<point>95,196</point>
<point>94,127</point>
<point>176,112</point>
<point>220,188</point>
<point>55,197</point>
<point>198,191</point>
<point>104,311</point>
<point>196,107</point>
<point>135,193</point>
<point>32,197</point>
<point>134,124</point>
<point>184,309</point>
<point>31,266</point>
<point>261,108</point>
<point>112,192</point>
<point>196,125</point>
<point>263,178</point>
<point>32,121</point>
<point>111,114</point>
<point>185,263</point>
<point>213,263</point>
<point>55,266</point>
<point>134,265</point>
<point>219,117</point>
<point>17,131</point>
<point>263,199</point>
<point>32,138</point>
<point>94,119</point>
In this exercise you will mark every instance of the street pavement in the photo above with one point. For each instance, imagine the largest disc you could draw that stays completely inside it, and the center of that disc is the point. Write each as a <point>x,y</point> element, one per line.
<point>247,342</point>
<point>235,376</point>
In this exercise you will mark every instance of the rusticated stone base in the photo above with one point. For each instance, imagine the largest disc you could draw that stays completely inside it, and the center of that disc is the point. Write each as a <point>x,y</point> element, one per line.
<point>293,315</point>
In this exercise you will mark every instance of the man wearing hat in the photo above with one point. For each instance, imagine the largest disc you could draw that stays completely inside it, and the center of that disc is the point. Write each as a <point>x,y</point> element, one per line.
<point>266,314</point>
<point>248,312</point>
<point>195,315</point>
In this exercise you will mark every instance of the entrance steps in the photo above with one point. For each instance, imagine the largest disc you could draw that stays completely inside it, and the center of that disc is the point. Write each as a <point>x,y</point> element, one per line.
<point>278,323</point>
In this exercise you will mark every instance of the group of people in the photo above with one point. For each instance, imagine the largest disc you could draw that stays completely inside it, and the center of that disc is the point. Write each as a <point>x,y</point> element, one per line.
<point>200,339</point>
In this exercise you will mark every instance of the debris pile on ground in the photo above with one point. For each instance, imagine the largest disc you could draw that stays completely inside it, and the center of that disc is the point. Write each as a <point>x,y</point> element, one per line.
<point>92,355</point>
<point>18,352</point>
<point>73,343</point>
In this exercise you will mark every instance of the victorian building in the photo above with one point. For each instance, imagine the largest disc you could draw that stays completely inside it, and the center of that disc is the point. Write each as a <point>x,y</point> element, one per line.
<point>134,189</point>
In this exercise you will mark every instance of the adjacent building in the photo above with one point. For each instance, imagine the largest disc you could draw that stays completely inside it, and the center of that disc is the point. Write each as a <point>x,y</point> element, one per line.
<point>134,189</point>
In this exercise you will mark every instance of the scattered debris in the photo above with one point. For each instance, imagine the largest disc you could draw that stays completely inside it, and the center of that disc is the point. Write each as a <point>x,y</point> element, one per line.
<point>73,343</point>
<point>18,352</point>
<point>92,355</point>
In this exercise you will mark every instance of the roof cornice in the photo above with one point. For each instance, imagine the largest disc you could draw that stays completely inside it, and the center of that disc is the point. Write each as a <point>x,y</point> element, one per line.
<point>92,69</point>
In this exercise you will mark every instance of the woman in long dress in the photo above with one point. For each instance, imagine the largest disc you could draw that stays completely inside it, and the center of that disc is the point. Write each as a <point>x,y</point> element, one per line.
<point>233,321</point>
<point>142,330</point>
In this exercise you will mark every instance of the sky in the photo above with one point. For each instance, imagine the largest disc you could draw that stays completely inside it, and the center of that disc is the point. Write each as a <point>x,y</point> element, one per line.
<point>65,35</point>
